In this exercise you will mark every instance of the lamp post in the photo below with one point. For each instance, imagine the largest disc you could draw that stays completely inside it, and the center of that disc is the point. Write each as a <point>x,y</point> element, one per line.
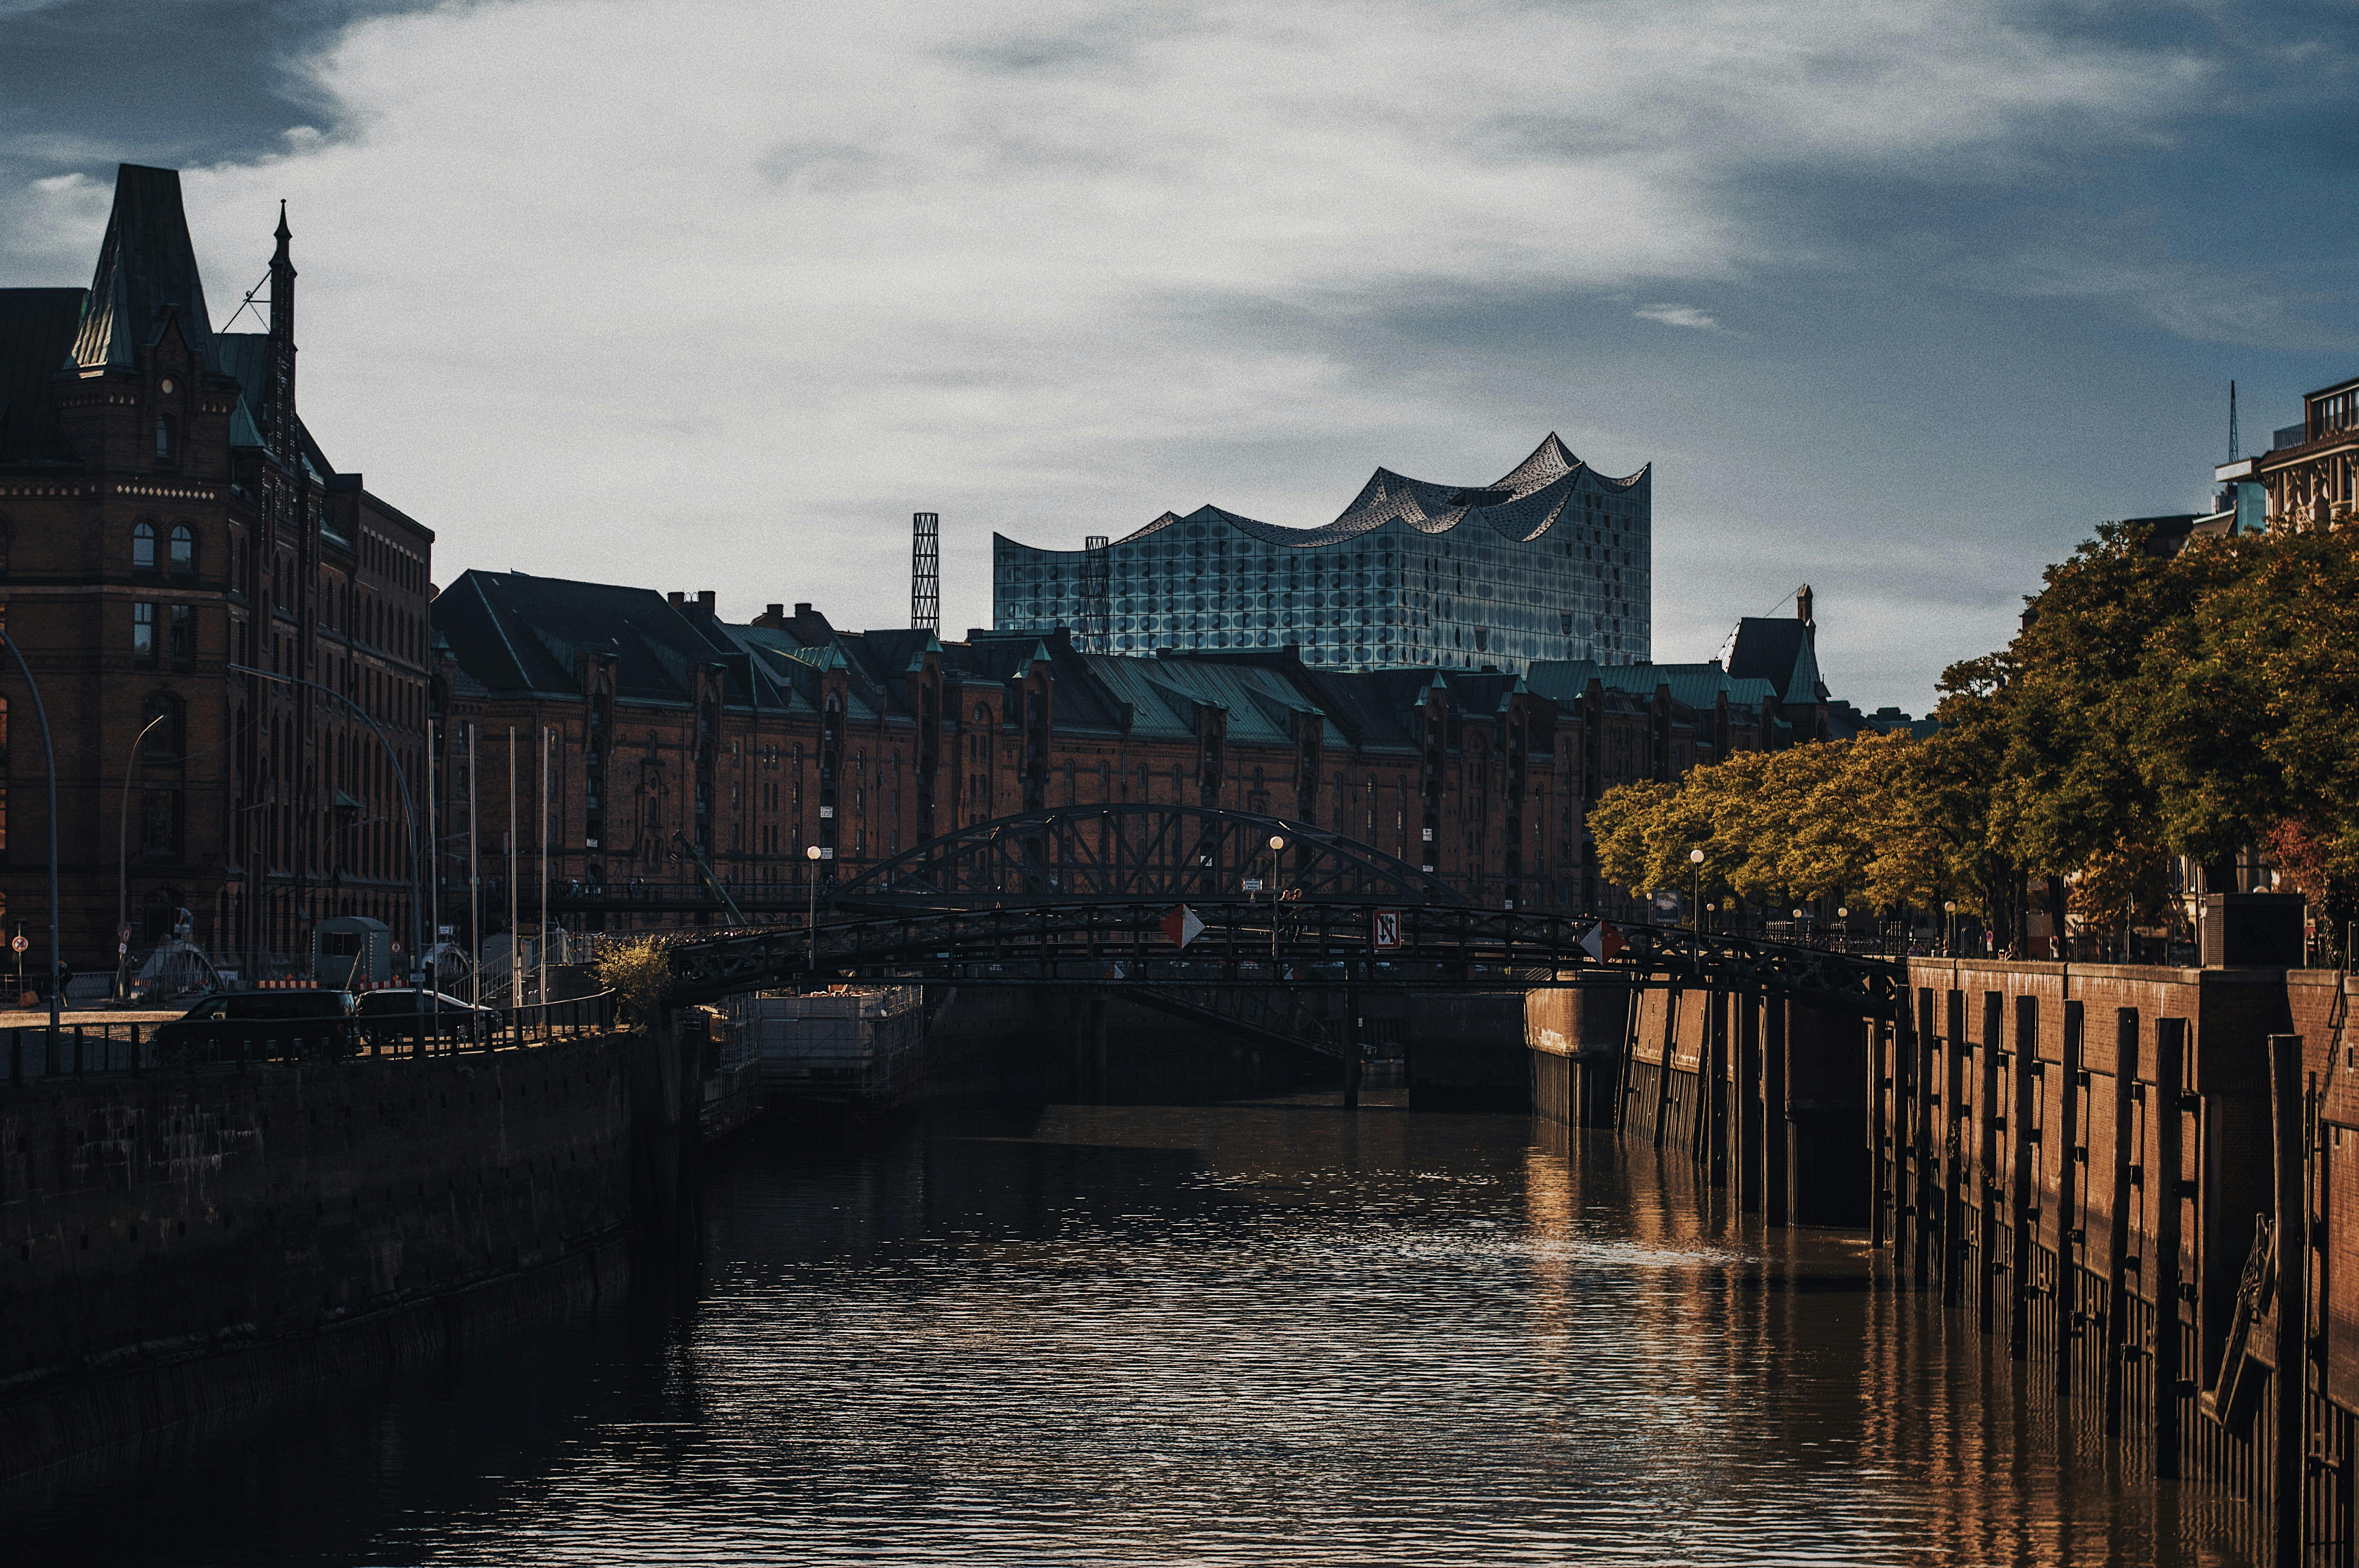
<point>1277,847</point>
<point>408,807</point>
<point>123,854</point>
<point>1949,938</point>
<point>50,753</point>
<point>1695,906</point>
<point>811,919</point>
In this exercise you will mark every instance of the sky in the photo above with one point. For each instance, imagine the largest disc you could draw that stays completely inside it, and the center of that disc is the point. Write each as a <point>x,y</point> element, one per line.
<point>1899,301</point>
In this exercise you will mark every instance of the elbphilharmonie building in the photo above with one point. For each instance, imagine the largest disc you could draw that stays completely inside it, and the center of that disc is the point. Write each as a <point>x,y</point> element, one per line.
<point>1551,561</point>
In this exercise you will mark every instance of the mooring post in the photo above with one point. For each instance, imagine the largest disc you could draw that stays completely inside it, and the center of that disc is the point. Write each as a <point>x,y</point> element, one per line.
<point>2163,1195</point>
<point>1354,1049</point>
<point>1955,1055</point>
<point>2290,1383</point>
<point>1663,1068</point>
<point>2118,1319</point>
<point>1987,1123</point>
<point>1925,1196</point>
<point>1712,1136</point>
<point>1744,1121</point>
<point>2070,1154</point>
<point>1775,1128</point>
<point>1885,1159</point>
<point>2023,1213</point>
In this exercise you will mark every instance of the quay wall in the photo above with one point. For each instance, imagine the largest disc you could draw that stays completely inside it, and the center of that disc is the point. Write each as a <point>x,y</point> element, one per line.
<point>2146,1179</point>
<point>173,1244</point>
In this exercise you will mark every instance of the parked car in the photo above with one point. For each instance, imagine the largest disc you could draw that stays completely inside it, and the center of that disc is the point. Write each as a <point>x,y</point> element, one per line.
<point>403,1008</point>
<point>302,1022</point>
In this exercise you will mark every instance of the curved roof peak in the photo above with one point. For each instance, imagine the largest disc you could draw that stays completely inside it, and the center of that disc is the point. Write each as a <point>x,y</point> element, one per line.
<point>1551,460</point>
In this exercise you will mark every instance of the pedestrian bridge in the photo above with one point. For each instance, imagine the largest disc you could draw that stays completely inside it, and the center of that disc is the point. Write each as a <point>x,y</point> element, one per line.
<point>1092,897</point>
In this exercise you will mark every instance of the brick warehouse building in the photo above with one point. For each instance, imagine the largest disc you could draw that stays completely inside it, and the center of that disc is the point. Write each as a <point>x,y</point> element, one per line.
<point>663,723</point>
<point>164,516</point>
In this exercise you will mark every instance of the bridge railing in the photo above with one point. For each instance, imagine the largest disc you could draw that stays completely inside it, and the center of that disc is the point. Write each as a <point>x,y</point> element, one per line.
<point>31,1055</point>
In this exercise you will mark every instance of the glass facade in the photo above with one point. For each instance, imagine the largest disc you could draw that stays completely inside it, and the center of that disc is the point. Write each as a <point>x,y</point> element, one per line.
<point>1551,562</point>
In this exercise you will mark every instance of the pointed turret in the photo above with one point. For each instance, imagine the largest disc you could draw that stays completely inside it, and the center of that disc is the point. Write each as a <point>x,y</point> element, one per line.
<point>281,416</point>
<point>147,271</point>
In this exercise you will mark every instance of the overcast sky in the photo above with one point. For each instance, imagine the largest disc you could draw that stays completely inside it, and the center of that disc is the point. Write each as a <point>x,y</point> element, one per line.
<point>1898,299</point>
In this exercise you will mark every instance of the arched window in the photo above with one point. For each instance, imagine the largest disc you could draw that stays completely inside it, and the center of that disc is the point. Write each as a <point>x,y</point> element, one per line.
<point>163,435</point>
<point>143,547</point>
<point>164,742</point>
<point>184,550</point>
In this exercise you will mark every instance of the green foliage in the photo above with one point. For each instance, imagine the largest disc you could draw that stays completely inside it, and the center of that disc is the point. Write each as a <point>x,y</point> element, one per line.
<point>2153,703</point>
<point>639,974</point>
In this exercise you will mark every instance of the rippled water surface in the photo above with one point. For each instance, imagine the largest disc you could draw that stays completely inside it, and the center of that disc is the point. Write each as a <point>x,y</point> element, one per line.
<point>1267,1334</point>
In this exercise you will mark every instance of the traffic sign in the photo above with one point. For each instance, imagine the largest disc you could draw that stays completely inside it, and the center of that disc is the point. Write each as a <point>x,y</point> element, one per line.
<point>18,943</point>
<point>1182,927</point>
<point>1383,930</point>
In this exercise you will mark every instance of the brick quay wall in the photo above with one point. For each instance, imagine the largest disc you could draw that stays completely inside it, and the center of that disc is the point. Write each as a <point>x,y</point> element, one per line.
<point>2143,1180</point>
<point>177,1244</point>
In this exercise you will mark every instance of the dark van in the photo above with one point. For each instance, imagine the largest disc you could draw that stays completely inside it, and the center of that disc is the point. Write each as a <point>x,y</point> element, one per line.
<point>307,1024</point>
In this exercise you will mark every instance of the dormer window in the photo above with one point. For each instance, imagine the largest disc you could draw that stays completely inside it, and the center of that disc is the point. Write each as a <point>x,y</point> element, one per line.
<point>163,435</point>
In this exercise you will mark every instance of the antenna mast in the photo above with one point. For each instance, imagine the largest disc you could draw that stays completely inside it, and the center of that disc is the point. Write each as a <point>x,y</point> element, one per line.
<point>926,571</point>
<point>2232,443</point>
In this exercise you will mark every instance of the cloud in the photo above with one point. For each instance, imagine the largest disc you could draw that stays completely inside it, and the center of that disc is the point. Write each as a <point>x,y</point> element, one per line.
<point>1678,316</point>
<point>715,292</point>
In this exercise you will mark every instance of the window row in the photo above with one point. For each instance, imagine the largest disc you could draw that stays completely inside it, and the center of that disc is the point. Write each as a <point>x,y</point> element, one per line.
<point>164,632</point>
<point>180,553</point>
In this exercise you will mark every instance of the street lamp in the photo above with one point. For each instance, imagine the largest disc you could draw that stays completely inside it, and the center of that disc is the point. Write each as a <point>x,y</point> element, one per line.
<point>49,751</point>
<point>811,920</point>
<point>1695,904</point>
<point>1950,941</point>
<point>122,856</point>
<point>1277,847</point>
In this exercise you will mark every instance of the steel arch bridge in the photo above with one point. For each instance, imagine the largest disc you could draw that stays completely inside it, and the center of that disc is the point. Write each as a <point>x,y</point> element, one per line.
<point>1262,943</point>
<point>1113,853</point>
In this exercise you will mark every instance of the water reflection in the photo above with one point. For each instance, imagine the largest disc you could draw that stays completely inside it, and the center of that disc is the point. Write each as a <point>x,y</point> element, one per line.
<point>1263,1333</point>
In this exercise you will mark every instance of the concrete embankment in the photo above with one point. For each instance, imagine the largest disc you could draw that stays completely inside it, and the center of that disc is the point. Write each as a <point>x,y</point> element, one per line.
<point>177,1244</point>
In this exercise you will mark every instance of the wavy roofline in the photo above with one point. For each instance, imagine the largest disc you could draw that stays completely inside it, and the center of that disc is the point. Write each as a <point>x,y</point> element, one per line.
<point>1521,505</point>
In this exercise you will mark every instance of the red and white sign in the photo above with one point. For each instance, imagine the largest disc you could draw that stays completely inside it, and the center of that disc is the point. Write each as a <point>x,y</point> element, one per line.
<point>1383,930</point>
<point>1182,927</point>
<point>1603,941</point>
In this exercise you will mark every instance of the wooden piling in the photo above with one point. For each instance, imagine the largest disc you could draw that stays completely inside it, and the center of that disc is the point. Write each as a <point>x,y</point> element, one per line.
<point>1925,1191</point>
<point>1775,1173</point>
<point>1987,1122</point>
<point>1746,1118</point>
<point>1887,1163</point>
<point>2119,1320</point>
<point>2022,1213</point>
<point>2164,1196</point>
<point>2070,1156</point>
<point>2289,1124</point>
<point>1955,1053</point>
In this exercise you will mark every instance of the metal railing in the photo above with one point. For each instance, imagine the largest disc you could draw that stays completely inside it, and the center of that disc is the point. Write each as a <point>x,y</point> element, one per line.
<point>30,1054</point>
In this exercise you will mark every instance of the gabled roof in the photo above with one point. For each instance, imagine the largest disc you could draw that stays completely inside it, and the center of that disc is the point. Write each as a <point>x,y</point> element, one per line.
<point>36,336</point>
<point>1521,505</point>
<point>516,632</point>
<point>1694,685</point>
<point>147,267</point>
<point>1776,650</point>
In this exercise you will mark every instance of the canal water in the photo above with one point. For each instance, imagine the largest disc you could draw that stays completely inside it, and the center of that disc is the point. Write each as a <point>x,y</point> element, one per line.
<point>1253,1332</point>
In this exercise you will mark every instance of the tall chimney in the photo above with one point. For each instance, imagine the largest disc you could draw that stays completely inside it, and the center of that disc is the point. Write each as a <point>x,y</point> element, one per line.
<point>704,600</point>
<point>926,571</point>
